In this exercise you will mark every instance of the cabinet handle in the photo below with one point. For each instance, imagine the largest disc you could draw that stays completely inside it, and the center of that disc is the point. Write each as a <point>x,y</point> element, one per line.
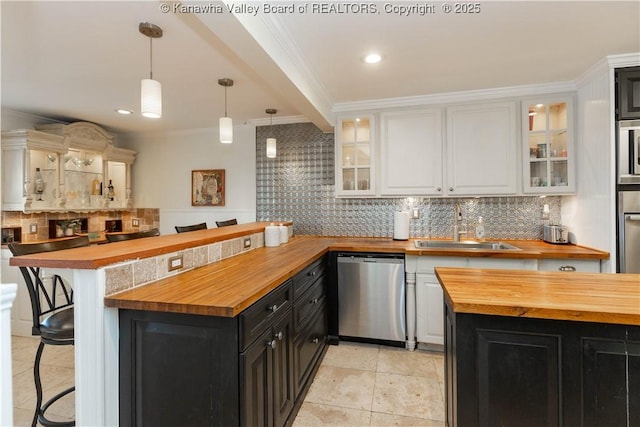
<point>314,301</point>
<point>272,308</point>
<point>567,268</point>
<point>450,188</point>
<point>272,344</point>
<point>278,336</point>
<point>312,273</point>
<point>439,189</point>
<point>315,340</point>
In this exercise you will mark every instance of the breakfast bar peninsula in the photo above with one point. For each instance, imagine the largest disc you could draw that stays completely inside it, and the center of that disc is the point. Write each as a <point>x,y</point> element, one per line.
<point>215,279</point>
<point>531,348</point>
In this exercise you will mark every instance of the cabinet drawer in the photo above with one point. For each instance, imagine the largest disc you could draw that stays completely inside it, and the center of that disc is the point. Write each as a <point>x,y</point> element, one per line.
<point>260,316</point>
<point>307,277</point>
<point>309,303</point>
<point>308,346</point>
<point>582,265</point>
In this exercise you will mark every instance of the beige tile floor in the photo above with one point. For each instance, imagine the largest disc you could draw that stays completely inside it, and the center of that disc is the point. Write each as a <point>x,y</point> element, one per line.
<point>371,385</point>
<point>356,385</point>
<point>56,371</point>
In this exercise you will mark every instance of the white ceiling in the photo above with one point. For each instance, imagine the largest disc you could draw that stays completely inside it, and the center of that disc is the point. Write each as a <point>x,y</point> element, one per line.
<point>79,60</point>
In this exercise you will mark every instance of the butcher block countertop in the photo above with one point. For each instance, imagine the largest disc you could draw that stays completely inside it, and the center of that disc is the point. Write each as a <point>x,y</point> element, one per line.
<point>227,287</point>
<point>96,256</point>
<point>585,297</point>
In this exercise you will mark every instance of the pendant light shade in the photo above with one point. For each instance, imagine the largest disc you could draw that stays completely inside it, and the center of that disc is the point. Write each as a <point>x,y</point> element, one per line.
<point>271,148</point>
<point>226,130</point>
<point>271,142</point>
<point>151,98</point>
<point>226,124</point>
<point>150,90</point>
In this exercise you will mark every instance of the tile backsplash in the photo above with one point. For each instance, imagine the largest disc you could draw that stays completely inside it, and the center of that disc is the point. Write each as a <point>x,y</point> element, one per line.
<point>298,186</point>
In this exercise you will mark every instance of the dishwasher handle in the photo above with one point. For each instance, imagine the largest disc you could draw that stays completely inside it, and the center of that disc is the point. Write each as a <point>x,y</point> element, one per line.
<point>359,257</point>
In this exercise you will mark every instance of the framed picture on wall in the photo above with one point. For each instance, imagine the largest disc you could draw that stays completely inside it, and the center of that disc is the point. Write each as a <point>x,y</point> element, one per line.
<point>207,187</point>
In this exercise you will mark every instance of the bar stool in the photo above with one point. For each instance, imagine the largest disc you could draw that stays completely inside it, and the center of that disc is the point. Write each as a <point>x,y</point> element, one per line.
<point>194,227</point>
<point>232,221</point>
<point>52,311</point>
<point>131,236</point>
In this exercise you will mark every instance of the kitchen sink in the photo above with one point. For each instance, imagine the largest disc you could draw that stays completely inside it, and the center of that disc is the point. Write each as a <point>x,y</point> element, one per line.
<point>448,244</point>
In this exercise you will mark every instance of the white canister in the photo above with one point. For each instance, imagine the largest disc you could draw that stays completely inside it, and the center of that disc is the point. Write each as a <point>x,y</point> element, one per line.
<point>271,236</point>
<point>284,233</point>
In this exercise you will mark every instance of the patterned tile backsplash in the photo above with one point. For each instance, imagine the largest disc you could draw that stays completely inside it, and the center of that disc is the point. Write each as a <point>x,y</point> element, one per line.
<point>130,274</point>
<point>298,186</point>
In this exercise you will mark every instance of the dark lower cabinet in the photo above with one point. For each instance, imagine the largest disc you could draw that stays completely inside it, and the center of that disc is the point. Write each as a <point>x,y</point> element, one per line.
<point>507,371</point>
<point>506,363</point>
<point>178,369</point>
<point>307,347</point>
<point>267,377</point>
<point>611,382</point>
<point>251,370</point>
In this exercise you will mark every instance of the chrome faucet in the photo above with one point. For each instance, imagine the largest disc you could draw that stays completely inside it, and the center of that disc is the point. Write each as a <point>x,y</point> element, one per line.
<point>457,223</point>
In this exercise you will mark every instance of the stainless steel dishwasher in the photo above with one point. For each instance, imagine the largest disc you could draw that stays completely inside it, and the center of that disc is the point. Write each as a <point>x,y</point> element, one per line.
<point>371,296</point>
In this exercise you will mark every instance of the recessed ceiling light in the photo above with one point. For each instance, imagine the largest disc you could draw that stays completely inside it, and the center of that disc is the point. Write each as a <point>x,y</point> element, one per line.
<point>372,58</point>
<point>123,111</point>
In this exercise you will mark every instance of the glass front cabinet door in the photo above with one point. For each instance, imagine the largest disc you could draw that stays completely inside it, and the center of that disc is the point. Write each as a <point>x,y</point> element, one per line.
<point>354,156</point>
<point>548,146</point>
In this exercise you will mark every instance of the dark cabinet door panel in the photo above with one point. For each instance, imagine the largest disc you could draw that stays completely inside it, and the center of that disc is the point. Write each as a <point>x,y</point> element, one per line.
<point>633,348</point>
<point>256,400</point>
<point>519,379</point>
<point>604,383</point>
<point>282,370</point>
<point>308,346</point>
<point>162,353</point>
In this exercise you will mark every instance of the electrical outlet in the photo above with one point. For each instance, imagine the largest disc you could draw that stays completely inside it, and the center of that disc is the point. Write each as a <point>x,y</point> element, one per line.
<point>175,262</point>
<point>247,242</point>
<point>33,228</point>
<point>135,222</point>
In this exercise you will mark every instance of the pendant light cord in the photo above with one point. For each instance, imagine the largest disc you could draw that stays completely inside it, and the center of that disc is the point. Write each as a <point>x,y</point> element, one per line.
<point>225,101</point>
<point>151,58</point>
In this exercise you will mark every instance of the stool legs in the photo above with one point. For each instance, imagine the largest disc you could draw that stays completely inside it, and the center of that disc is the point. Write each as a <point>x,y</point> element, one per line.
<point>38,416</point>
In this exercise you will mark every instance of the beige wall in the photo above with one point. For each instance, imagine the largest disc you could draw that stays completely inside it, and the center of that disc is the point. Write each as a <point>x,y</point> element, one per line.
<point>162,174</point>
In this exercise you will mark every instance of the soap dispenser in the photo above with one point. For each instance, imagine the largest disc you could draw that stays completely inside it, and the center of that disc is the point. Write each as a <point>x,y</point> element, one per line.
<point>480,229</point>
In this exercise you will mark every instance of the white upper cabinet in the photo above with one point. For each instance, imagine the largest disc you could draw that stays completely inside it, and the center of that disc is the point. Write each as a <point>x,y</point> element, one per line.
<point>411,152</point>
<point>355,156</point>
<point>481,149</point>
<point>548,147</point>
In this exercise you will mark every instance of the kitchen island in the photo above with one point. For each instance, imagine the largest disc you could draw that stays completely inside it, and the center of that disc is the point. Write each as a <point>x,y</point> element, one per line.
<point>219,278</point>
<point>538,349</point>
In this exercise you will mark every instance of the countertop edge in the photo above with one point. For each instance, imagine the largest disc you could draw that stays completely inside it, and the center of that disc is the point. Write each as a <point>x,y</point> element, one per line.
<point>588,312</point>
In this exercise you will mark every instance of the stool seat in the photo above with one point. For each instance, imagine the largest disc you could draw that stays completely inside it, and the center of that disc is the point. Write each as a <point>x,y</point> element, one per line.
<point>52,314</point>
<point>58,326</point>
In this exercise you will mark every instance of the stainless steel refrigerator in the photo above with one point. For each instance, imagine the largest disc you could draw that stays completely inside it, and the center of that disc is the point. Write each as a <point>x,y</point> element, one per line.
<point>629,231</point>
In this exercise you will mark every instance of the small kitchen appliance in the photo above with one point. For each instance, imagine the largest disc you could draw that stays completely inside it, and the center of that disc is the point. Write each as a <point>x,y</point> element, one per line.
<point>556,234</point>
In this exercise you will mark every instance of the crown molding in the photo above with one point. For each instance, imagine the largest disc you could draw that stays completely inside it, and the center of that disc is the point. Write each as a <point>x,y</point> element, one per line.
<point>454,97</point>
<point>624,60</point>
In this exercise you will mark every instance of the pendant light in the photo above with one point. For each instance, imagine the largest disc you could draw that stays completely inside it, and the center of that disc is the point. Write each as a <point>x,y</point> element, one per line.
<point>226,124</point>
<point>151,90</point>
<point>271,142</point>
